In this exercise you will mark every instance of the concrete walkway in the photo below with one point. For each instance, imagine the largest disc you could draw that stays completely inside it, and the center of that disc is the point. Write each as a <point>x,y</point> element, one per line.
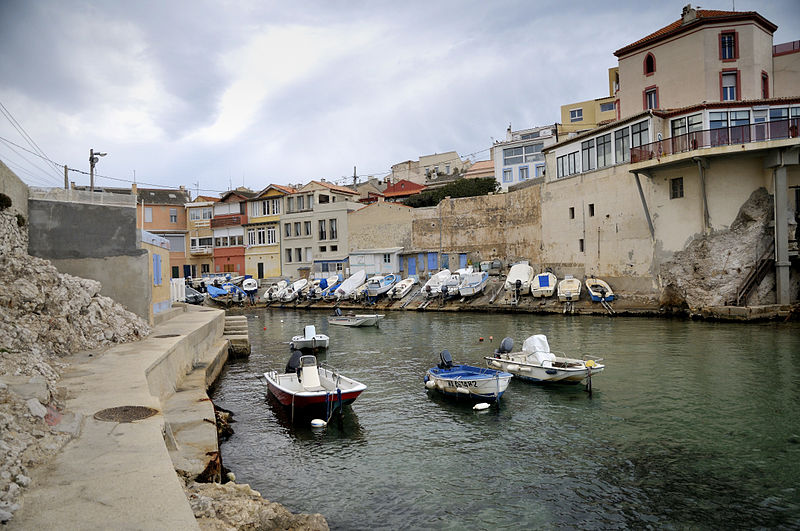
<point>119,475</point>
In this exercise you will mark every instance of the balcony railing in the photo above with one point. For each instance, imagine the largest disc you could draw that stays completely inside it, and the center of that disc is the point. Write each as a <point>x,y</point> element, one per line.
<point>226,222</point>
<point>200,223</point>
<point>726,136</point>
<point>201,250</point>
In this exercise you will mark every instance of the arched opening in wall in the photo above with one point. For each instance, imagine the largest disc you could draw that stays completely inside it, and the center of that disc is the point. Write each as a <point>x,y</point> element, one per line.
<point>649,64</point>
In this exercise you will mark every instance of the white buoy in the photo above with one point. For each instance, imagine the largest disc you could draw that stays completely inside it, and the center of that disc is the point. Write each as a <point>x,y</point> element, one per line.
<point>481,406</point>
<point>318,423</point>
<point>430,384</point>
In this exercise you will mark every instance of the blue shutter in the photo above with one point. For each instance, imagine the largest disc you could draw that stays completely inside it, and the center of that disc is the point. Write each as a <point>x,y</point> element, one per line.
<point>432,262</point>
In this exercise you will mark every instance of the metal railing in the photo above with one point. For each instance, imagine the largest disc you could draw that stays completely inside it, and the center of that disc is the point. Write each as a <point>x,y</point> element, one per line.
<point>201,250</point>
<point>226,222</point>
<point>726,136</point>
<point>81,196</point>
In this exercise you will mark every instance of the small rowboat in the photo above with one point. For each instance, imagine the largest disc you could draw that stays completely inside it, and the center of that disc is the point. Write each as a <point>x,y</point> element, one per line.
<point>543,285</point>
<point>569,289</point>
<point>599,290</point>
<point>308,386</point>
<point>466,381</point>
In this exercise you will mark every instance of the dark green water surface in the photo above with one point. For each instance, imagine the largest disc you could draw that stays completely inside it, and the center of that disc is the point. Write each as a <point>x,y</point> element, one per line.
<point>692,425</point>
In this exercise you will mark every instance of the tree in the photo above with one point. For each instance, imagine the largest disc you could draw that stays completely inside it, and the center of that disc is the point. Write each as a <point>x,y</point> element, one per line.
<point>458,188</point>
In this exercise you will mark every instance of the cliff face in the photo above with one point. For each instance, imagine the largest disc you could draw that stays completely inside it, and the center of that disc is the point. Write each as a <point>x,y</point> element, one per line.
<point>709,271</point>
<point>44,315</point>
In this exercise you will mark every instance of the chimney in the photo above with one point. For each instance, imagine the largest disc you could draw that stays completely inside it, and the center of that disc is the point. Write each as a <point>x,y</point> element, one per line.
<point>688,14</point>
<point>182,187</point>
<point>133,189</point>
<point>508,133</point>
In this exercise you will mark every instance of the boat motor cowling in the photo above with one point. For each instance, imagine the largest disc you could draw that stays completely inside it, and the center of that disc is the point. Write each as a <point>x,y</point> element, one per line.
<point>446,360</point>
<point>293,365</point>
<point>506,346</point>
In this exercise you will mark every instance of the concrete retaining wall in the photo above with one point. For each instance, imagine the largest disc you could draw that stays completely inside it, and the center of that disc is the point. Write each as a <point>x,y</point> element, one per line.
<point>13,187</point>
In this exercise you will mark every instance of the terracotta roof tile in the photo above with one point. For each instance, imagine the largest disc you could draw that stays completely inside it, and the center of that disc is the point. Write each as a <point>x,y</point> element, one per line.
<point>336,188</point>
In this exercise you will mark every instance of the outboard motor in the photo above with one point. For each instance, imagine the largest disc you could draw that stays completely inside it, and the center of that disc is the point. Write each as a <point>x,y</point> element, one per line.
<point>444,291</point>
<point>337,311</point>
<point>293,365</point>
<point>518,285</point>
<point>506,346</point>
<point>446,360</point>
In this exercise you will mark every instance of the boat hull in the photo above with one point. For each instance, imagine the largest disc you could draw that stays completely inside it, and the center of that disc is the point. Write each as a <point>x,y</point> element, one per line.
<point>538,373</point>
<point>463,381</point>
<point>313,343</point>
<point>355,320</point>
<point>311,400</point>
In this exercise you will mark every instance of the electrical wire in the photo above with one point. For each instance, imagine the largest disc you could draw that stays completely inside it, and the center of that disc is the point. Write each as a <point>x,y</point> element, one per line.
<point>21,130</point>
<point>45,175</point>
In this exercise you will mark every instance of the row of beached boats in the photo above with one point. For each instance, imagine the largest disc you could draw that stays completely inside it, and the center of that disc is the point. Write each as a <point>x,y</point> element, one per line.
<point>522,280</point>
<point>311,388</point>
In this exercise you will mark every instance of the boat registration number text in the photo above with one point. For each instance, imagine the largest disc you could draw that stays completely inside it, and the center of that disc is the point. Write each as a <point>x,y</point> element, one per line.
<point>465,383</point>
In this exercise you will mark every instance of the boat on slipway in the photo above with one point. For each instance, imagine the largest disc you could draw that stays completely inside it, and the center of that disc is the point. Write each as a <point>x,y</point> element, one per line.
<point>295,290</point>
<point>599,290</point>
<point>473,283</point>
<point>380,284</point>
<point>544,285</point>
<point>537,363</point>
<point>402,288</point>
<point>466,381</point>
<point>275,291</point>
<point>347,287</point>
<point>569,289</point>
<point>309,387</point>
<point>519,278</point>
<point>433,287</point>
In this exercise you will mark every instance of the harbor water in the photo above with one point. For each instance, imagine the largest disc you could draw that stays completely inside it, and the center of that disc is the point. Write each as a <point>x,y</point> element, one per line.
<point>692,424</point>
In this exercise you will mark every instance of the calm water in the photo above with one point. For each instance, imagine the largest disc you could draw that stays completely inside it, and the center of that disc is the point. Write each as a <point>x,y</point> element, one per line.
<point>691,425</point>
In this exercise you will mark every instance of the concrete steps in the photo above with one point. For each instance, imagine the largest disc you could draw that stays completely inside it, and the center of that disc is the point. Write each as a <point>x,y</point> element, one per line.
<point>236,332</point>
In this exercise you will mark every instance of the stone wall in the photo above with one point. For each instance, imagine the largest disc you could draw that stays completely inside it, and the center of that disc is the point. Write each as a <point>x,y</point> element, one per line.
<point>13,187</point>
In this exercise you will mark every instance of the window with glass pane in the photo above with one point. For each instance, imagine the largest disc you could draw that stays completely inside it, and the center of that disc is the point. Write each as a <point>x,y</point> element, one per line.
<point>322,230</point>
<point>307,228</point>
<point>288,255</point>
<point>261,235</point>
<point>287,229</point>
<point>576,115</point>
<point>297,228</point>
<point>587,155</point>
<point>605,107</point>
<point>512,156</point>
<point>194,214</point>
<point>523,173</point>
<point>561,167</point>
<point>297,255</point>
<point>717,120</point>
<point>694,123</point>
<point>272,236</point>
<point>728,45</point>
<point>676,188</point>
<point>651,97</point>
<point>251,236</point>
<point>533,152</point>
<point>639,134</point>
<point>332,224</point>
<point>572,163</point>
<point>622,143</point>
<point>778,114</point>
<point>507,175</point>
<point>290,204</point>
<point>740,117</point>
<point>729,86</point>
<point>208,213</point>
<point>678,127</point>
<point>604,150</point>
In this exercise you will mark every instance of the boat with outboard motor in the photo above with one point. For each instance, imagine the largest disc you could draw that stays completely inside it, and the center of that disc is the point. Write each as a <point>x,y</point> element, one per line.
<point>275,290</point>
<point>349,285</point>
<point>305,385</point>
<point>295,290</point>
<point>599,290</point>
<point>402,288</point>
<point>569,289</point>
<point>433,287</point>
<point>466,381</point>
<point>351,319</point>
<point>537,363</point>
<point>519,278</point>
<point>473,283</point>
<point>310,339</point>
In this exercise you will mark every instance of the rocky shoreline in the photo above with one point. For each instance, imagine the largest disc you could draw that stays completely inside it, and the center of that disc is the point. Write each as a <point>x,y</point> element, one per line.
<point>46,317</point>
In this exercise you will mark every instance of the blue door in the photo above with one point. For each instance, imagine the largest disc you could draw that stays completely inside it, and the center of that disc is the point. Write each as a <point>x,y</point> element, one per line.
<point>412,265</point>
<point>462,260</point>
<point>433,264</point>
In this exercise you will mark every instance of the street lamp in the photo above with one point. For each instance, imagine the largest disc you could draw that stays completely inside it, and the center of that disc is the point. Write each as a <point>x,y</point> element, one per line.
<point>93,157</point>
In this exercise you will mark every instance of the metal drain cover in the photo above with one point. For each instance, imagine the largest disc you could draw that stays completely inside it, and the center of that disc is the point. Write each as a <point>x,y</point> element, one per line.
<point>125,413</point>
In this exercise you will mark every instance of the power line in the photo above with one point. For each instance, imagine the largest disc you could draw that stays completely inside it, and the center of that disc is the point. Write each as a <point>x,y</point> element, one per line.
<point>21,130</point>
<point>45,174</point>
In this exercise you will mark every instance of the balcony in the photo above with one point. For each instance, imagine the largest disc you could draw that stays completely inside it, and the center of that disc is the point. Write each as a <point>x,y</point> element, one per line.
<point>202,250</point>
<point>226,221</point>
<point>199,223</point>
<point>709,138</point>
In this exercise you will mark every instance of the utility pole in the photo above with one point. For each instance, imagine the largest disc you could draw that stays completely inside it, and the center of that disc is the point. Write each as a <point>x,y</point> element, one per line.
<point>93,158</point>
<point>66,178</point>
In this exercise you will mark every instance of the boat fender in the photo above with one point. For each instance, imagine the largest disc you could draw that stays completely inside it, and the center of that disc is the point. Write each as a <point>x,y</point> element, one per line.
<point>496,364</point>
<point>481,406</point>
<point>462,390</point>
<point>590,363</point>
<point>318,423</point>
<point>430,384</point>
<point>512,367</point>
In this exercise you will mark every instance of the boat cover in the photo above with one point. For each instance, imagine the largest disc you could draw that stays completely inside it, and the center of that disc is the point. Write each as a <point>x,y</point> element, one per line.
<point>310,331</point>
<point>215,291</point>
<point>544,281</point>
<point>538,347</point>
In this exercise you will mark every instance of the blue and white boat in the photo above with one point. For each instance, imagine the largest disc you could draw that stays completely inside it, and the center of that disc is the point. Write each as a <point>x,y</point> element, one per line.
<point>473,283</point>
<point>380,284</point>
<point>599,290</point>
<point>544,285</point>
<point>466,381</point>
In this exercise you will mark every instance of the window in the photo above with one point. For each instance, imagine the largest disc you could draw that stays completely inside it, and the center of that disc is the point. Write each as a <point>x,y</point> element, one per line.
<point>290,204</point>
<point>387,258</point>
<point>288,256</point>
<point>649,64</point>
<point>580,245</point>
<point>322,248</point>
<point>639,134</point>
<point>156,269</point>
<point>307,228</point>
<point>334,248</point>
<point>173,215</point>
<point>729,82</point>
<point>300,203</point>
<point>539,170</point>
<point>567,164</point>
<point>251,236</point>
<point>447,169</point>
<point>571,212</point>
<point>507,175</point>
<point>591,210</point>
<point>728,46</point>
<point>606,107</point>
<point>287,229</point>
<point>764,85</point>
<point>148,214</point>
<point>528,136</point>
<point>322,227</point>
<point>297,228</point>
<point>196,214</point>
<point>622,144</point>
<point>518,155</point>
<point>740,118</point>
<point>309,258</point>
<point>298,256</point>
<point>523,173</point>
<point>651,98</point>
<point>676,188</point>
<point>678,127</point>
<point>576,115</point>
<point>205,268</point>
<point>587,155</point>
<point>261,235</point>
<point>272,236</point>
<point>604,150</point>
<point>717,120</point>
<point>334,233</point>
<point>176,271</point>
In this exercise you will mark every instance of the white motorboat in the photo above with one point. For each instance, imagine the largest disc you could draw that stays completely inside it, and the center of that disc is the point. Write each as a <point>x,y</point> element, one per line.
<point>294,291</point>
<point>360,292</point>
<point>466,381</point>
<point>275,291</point>
<point>347,287</point>
<point>569,289</point>
<point>378,285</point>
<point>433,287</point>
<point>450,285</point>
<point>310,339</point>
<point>319,286</point>
<point>519,278</point>
<point>544,285</point>
<point>402,288</point>
<point>473,283</point>
<point>537,363</point>
<point>350,319</point>
<point>599,290</point>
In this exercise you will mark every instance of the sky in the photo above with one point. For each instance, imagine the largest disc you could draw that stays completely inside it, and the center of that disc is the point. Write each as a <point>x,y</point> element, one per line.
<point>216,95</point>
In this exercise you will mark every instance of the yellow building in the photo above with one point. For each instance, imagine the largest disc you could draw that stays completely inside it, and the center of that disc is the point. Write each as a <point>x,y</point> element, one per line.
<point>159,265</point>
<point>262,255</point>
<point>200,257</point>
<point>585,115</point>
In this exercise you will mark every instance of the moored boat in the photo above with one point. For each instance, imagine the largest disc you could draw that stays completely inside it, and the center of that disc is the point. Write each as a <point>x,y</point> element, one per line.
<point>476,383</point>
<point>569,289</point>
<point>306,386</point>
<point>275,291</point>
<point>599,290</point>
<point>537,363</point>
<point>544,285</point>
<point>473,283</point>
<point>355,319</point>
<point>310,339</point>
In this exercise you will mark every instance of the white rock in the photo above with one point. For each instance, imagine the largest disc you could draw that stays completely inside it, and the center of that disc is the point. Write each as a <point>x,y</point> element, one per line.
<point>36,408</point>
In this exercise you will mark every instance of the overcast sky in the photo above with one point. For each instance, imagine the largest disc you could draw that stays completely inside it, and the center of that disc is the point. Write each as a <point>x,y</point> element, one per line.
<point>219,94</point>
